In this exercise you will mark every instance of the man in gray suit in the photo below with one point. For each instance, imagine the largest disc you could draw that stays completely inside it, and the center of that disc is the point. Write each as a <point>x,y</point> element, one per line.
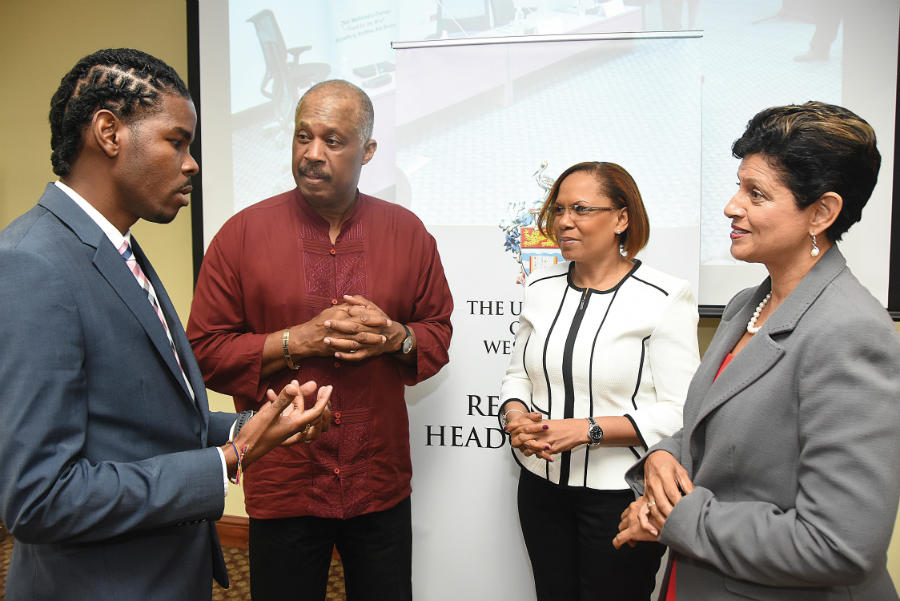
<point>110,477</point>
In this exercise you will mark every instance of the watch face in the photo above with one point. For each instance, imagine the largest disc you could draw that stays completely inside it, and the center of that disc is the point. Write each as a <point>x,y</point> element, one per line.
<point>407,344</point>
<point>595,434</point>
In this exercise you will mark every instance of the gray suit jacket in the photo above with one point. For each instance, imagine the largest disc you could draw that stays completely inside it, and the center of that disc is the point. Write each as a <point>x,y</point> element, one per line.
<point>793,450</point>
<point>107,478</point>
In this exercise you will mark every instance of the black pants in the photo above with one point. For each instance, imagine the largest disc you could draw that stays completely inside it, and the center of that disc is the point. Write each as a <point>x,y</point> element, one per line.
<point>569,531</point>
<point>289,557</point>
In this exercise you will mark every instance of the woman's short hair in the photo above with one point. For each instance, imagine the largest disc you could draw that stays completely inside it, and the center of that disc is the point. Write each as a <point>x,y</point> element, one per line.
<point>817,148</point>
<point>617,184</point>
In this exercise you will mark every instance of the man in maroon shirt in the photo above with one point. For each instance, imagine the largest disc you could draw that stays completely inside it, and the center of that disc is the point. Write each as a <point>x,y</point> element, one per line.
<point>349,290</point>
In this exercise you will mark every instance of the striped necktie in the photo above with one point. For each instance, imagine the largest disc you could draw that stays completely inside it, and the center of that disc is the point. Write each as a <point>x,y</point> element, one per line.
<point>131,261</point>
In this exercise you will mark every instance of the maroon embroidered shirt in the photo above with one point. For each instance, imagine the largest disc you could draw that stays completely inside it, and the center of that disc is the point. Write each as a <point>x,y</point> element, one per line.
<point>272,266</point>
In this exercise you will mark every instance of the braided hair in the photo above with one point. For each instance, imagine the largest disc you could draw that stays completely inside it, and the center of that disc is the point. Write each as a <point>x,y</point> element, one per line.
<point>124,81</point>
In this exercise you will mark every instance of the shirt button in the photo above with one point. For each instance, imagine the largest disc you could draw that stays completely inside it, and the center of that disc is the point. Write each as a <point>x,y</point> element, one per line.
<point>337,420</point>
<point>337,414</point>
<point>332,251</point>
<point>337,470</point>
<point>337,364</point>
<point>334,301</point>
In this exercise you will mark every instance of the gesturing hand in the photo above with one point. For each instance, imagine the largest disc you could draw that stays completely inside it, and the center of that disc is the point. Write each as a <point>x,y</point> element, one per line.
<point>278,419</point>
<point>311,430</point>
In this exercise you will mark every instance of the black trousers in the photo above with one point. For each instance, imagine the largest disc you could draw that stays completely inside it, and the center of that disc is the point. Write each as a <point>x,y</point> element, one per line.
<point>289,557</point>
<point>569,531</point>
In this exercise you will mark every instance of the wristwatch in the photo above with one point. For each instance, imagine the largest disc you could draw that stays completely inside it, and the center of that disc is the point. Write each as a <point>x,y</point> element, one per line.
<point>242,418</point>
<point>406,345</point>
<point>595,433</point>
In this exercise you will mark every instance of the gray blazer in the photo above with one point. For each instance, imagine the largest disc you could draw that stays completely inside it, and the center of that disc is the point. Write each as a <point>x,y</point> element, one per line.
<point>793,450</point>
<point>107,479</point>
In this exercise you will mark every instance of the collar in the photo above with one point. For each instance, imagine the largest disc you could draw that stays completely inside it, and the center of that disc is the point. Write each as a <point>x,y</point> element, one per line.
<point>789,312</point>
<point>807,291</point>
<point>361,202</point>
<point>114,235</point>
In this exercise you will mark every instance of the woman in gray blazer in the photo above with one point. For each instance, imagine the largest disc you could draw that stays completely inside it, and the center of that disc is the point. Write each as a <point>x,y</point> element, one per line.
<point>783,482</point>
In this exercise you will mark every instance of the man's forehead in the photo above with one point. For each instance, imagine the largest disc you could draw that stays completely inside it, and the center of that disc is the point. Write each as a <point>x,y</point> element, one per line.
<point>177,109</point>
<point>328,107</point>
<point>174,114</point>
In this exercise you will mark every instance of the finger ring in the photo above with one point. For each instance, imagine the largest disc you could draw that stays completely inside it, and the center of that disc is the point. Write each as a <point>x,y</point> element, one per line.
<point>650,504</point>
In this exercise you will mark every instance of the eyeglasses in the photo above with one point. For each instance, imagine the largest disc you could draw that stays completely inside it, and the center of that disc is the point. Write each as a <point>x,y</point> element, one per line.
<point>578,211</point>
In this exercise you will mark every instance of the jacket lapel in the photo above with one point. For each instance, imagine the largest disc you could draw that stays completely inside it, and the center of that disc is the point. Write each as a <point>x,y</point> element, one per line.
<point>112,267</point>
<point>191,370</point>
<point>764,350</point>
<point>760,354</point>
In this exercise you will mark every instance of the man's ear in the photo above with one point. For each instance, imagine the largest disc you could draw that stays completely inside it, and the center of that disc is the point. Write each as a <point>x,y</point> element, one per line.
<point>369,151</point>
<point>105,130</point>
<point>824,211</point>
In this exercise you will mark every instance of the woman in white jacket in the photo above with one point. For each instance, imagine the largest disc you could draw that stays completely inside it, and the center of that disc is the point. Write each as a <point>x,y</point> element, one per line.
<point>604,353</point>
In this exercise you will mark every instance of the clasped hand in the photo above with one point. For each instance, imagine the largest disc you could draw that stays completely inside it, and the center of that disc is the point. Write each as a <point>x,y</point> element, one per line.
<point>665,483</point>
<point>533,435</point>
<point>362,330</point>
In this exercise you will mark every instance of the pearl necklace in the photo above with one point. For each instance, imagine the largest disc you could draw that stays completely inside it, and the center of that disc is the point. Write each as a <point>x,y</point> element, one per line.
<point>751,325</point>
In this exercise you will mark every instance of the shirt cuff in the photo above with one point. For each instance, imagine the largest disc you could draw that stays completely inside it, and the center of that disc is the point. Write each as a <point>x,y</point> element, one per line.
<point>224,471</point>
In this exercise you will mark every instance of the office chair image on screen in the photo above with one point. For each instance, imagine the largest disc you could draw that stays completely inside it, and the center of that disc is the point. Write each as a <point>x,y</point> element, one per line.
<point>285,77</point>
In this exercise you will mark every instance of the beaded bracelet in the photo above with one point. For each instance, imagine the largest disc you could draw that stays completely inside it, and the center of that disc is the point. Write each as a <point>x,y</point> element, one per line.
<point>240,458</point>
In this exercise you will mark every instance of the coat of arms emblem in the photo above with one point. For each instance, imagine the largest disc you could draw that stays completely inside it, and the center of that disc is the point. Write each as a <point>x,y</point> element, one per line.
<point>529,247</point>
